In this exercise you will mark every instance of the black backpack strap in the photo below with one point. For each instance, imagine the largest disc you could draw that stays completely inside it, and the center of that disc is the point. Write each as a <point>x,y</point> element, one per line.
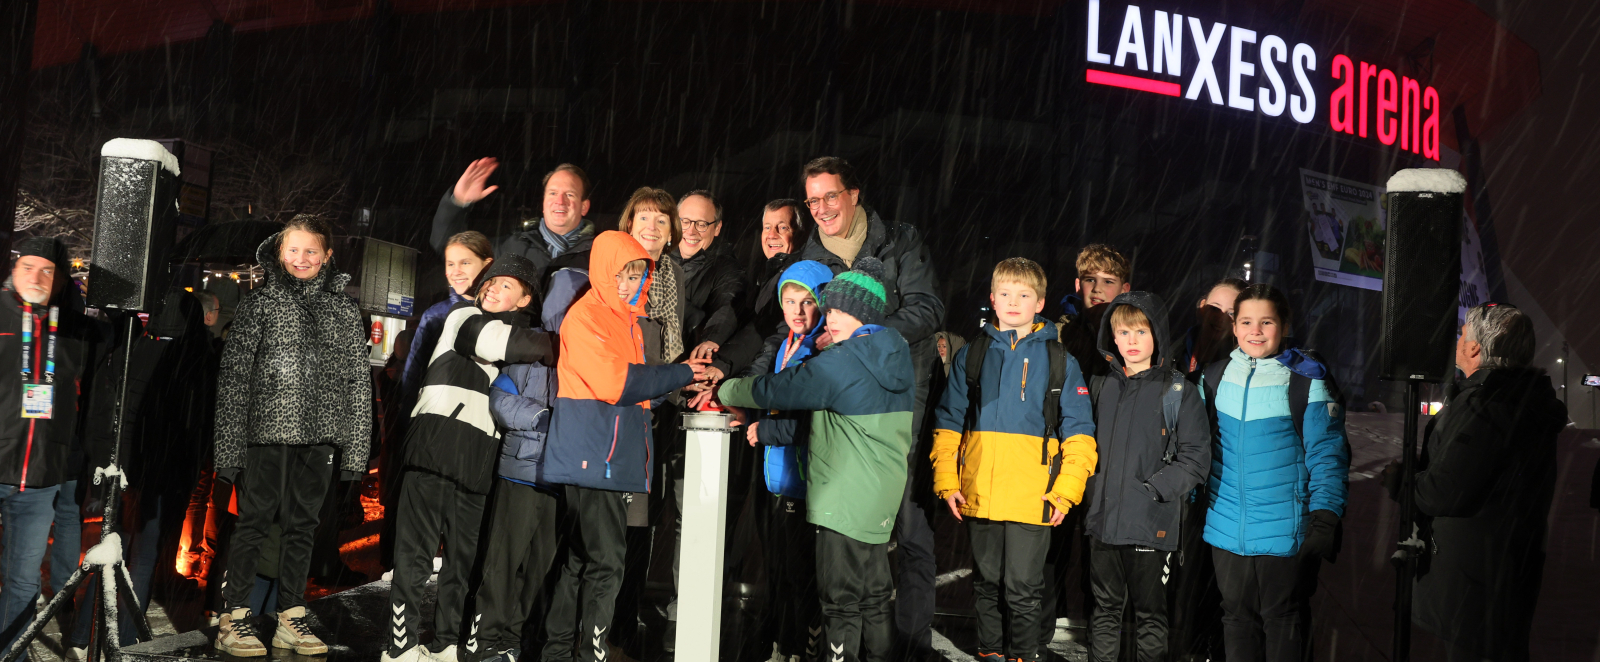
<point>1052,415</point>
<point>977,350</point>
<point>1171,403</point>
<point>1211,380</point>
<point>1052,396</point>
<point>1299,398</point>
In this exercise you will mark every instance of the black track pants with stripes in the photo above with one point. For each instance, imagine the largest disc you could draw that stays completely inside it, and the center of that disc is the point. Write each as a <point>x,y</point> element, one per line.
<point>854,583</point>
<point>431,507</point>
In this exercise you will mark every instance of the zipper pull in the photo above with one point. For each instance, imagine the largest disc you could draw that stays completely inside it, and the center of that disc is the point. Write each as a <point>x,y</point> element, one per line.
<point>1024,380</point>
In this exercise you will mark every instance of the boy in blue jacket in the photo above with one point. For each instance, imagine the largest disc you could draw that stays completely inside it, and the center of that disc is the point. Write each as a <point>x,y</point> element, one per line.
<point>522,524</point>
<point>790,540</point>
<point>1277,488</point>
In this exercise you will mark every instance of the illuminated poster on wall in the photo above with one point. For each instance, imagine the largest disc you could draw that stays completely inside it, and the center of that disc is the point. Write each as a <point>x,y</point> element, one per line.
<point>1346,224</point>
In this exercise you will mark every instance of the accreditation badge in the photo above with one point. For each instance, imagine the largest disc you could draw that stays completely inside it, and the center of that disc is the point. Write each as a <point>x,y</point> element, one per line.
<point>38,400</point>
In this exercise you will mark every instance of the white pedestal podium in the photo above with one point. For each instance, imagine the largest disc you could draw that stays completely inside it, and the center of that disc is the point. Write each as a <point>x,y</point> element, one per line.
<point>705,508</point>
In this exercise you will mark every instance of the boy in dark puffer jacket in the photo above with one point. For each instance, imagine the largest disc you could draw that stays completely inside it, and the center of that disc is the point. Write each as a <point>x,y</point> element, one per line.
<point>451,448</point>
<point>522,527</point>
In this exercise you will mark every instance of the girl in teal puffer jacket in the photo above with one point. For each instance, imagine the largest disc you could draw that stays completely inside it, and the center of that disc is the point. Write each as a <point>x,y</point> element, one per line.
<point>1277,489</point>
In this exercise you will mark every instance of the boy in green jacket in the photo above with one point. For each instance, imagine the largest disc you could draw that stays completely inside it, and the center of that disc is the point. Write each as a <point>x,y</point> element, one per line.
<point>860,393</point>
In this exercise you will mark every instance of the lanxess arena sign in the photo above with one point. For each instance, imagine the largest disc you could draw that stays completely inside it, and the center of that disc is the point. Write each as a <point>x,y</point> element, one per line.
<point>1205,61</point>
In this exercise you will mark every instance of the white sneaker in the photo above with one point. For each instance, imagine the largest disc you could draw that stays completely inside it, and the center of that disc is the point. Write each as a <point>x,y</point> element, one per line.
<point>237,636</point>
<point>294,631</point>
<point>412,654</point>
<point>76,654</point>
<point>446,655</point>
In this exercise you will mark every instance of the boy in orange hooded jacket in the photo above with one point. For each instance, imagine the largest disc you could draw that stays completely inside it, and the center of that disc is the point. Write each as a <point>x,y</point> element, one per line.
<point>599,439</point>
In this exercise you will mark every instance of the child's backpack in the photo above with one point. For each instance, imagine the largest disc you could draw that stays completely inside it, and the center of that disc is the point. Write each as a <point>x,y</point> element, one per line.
<point>977,350</point>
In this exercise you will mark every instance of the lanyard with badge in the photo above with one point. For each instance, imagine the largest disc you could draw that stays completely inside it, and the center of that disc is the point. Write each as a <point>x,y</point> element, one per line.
<point>38,400</point>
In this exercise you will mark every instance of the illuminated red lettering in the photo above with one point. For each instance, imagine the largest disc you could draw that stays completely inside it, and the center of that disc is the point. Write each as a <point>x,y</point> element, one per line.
<point>1340,110</point>
<point>1367,72</point>
<point>1387,103</point>
<point>1430,126</point>
<point>1410,115</point>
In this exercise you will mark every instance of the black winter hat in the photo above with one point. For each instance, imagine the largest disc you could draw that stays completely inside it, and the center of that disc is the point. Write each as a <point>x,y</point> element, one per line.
<point>515,266</point>
<point>859,292</point>
<point>49,248</point>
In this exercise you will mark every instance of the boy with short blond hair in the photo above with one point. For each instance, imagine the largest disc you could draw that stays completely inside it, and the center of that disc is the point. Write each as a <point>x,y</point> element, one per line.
<point>1013,447</point>
<point>1155,448</point>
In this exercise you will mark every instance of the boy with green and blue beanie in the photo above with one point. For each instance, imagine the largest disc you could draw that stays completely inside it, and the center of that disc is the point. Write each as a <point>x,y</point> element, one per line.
<point>860,393</point>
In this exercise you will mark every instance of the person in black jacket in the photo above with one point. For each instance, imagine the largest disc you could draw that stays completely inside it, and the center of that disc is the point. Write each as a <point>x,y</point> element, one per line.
<point>295,390</point>
<point>846,229</point>
<point>781,226</point>
<point>1145,475</point>
<point>451,451</point>
<point>36,450</point>
<point>558,240</point>
<point>172,380</point>
<point>1483,490</point>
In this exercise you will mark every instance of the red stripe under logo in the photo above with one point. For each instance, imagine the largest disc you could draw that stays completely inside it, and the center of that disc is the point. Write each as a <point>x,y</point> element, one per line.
<point>1132,82</point>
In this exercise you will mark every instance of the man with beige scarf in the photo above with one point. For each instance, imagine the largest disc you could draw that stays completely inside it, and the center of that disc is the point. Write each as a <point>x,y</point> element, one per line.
<point>846,229</point>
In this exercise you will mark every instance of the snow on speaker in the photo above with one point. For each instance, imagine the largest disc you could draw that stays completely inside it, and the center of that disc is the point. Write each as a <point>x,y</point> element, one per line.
<point>1422,274</point>
<point>135,217</point>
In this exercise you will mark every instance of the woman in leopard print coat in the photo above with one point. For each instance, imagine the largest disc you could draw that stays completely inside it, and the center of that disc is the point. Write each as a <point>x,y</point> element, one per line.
<point>295,394</point>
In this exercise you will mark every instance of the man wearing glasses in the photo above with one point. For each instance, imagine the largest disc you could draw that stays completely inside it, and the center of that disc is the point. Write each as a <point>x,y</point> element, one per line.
<point>847,229</point>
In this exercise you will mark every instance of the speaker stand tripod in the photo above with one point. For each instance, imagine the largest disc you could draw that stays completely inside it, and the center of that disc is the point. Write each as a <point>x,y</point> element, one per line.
<point>1410,546</point>
<point>105,557</point>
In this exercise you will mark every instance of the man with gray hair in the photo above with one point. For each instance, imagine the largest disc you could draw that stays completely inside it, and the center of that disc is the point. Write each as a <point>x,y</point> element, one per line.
<point>1483,488</point>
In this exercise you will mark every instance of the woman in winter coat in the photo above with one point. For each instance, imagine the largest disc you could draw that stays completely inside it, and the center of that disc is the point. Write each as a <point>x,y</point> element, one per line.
<point>295,396</point>
<point>451,451</point>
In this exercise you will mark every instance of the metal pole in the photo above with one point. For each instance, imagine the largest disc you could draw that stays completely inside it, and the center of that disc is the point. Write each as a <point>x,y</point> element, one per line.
<point>705,514</point>
<point>1405,557</point>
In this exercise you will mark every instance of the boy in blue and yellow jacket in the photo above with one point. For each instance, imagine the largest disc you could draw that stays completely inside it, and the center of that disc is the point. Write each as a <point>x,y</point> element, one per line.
<point>1001,469</point>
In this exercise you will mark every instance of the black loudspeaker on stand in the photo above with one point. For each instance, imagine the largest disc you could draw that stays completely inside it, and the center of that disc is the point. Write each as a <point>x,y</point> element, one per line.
<point>1421,287</point>
<point>134,223</point>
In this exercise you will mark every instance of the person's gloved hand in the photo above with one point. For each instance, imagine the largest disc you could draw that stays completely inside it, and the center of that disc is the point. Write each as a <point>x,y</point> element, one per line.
<point>347,476</point>
<point>1319,535</point>
<point>1391,477</point>
<point>228,475</point>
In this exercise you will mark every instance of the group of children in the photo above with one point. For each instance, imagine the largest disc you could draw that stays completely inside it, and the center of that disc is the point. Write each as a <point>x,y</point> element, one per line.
<point>1254,442</point>
<point>1097,413</point>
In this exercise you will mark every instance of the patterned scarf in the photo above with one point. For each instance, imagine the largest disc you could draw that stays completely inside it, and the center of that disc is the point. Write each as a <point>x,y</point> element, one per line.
<point>663,307</point>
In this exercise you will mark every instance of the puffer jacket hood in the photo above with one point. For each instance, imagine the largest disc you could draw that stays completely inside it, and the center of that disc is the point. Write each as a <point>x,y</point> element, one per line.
<point>1153,308</point>
<point>329,278</point>
<point>612,250</point>
<point>812,276</point>
<point>296,366</point>
<point>1137,492</point>
<point>873,355</point>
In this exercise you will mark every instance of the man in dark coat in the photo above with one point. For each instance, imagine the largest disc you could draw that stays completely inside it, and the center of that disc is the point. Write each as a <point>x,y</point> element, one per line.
<point>1483,491</point>
<point>846,229</point>
<point>39,408</point>
<point>558,240</point>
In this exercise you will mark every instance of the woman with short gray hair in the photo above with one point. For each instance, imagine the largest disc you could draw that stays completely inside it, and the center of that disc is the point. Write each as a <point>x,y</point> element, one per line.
<point>1483,488</point>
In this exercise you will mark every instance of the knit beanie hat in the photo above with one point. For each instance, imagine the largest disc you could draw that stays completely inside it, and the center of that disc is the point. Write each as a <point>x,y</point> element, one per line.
<point>859,292</point>
<point>49,248</point>
<point>518,267</point>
